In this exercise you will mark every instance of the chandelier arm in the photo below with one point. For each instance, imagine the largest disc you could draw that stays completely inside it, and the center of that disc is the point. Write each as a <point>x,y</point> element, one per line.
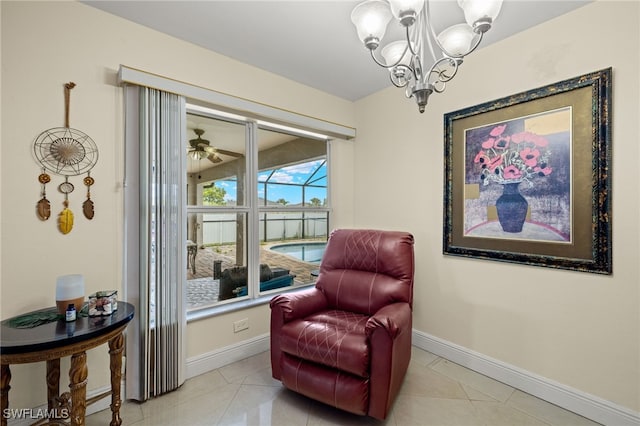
<point>441,76</point>
<point>410,43</point>
<point>477,42</point>
<point>416,47</point>
<point>443,73</point>
<point>383,65</point>
<point>398,83</point>
<point>425,14</point>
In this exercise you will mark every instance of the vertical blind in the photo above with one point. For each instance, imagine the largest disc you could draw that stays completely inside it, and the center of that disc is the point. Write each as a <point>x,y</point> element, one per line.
<point>155,255</point>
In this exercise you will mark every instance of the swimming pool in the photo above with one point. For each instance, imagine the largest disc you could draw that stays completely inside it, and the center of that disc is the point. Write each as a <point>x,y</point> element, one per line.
<point>308,252</point>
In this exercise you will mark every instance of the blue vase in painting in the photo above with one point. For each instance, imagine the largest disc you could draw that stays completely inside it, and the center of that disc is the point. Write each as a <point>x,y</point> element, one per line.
<point>512,208</point>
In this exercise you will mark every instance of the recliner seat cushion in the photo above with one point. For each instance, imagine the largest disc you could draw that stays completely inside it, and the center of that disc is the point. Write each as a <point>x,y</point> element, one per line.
<point>333,338</point>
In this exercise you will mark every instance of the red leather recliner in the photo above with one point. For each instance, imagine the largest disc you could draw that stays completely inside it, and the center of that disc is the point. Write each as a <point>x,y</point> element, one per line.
<point>347,341</point>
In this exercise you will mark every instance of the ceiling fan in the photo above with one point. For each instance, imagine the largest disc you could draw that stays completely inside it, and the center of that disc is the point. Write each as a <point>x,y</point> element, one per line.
<point>201,148</point>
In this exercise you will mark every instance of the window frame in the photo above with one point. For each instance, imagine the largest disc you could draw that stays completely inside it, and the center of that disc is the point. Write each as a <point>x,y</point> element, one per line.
<point>198,95</point>
<point>253,210</point>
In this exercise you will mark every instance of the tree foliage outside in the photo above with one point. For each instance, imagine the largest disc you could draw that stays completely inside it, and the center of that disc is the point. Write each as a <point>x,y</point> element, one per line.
<point>315,202</point>
<point>213,196</point>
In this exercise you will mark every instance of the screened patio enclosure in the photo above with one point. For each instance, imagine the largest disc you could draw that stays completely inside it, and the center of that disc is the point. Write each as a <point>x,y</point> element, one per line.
<point>246,193</point>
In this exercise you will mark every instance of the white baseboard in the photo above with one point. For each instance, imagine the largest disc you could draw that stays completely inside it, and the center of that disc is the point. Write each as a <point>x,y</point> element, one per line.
<point>210,361</point>
<point>586,405</point>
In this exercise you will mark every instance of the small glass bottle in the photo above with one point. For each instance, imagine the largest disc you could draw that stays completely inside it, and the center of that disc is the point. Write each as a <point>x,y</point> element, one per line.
<point>71,313</point>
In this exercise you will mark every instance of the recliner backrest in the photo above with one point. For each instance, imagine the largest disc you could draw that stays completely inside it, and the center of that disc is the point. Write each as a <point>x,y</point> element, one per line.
<point>363,270</point>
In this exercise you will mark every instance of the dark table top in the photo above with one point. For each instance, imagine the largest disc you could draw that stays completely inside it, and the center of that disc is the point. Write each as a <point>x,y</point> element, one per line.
<point>60,333</point>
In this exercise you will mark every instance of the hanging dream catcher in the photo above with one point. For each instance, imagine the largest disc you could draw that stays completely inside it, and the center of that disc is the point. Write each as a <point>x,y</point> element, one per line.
<point>66,152</point>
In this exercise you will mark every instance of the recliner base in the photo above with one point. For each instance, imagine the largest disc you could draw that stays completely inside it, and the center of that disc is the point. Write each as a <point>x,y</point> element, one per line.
<point>328,385</point>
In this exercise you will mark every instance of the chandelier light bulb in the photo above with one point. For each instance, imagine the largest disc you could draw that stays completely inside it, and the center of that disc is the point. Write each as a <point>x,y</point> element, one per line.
<point>457,40</point>
<point>480,14</point>
<point>406,11</point>
<point>393,52</point>
<point>371,18</point>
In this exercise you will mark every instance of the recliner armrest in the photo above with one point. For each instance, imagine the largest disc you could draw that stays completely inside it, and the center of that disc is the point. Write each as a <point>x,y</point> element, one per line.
<point>299,304</point>
<point>287,307</point>
<point>392,318</point>
<point>389,332</point>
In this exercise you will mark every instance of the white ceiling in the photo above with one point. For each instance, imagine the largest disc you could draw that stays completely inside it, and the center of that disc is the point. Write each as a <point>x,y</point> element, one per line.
<point>311,42</point>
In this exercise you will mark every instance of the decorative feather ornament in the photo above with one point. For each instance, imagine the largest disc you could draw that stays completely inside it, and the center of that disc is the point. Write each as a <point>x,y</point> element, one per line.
<point>65,220</point>
<point>87,206</point>
<point>44,209</point>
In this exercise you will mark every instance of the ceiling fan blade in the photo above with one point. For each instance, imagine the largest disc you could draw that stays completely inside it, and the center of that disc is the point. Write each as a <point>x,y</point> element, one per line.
<point>214,158</point>
<point>229,153</point>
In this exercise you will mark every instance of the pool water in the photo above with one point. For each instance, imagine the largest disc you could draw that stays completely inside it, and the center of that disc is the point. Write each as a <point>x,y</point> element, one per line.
<point>308,252</point>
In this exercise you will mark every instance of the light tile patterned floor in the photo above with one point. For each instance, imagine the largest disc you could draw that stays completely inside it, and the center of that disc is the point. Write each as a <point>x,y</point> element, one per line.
<point>435,392</point>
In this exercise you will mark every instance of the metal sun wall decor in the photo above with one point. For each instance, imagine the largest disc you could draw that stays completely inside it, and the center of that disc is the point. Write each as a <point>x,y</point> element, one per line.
<point>65,152</point>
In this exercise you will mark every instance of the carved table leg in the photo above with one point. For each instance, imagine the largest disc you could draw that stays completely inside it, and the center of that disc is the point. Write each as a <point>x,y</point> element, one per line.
<point>78,385</point>
<point>53,382</point>
<point>116,346</point>
<point>5,378</point>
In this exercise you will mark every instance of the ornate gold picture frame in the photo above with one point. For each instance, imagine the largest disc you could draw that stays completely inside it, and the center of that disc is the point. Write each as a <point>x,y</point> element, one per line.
<point>527,177</point>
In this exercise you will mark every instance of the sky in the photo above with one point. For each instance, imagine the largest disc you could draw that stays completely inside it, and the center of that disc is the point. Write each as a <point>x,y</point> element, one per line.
<point>285,183</point>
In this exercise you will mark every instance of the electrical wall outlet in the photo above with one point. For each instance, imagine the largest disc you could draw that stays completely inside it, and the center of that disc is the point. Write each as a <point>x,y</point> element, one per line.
<point>240,325</point>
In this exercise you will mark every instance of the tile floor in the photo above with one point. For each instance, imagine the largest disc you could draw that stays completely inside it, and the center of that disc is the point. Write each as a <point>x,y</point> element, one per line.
<point>435,392</point>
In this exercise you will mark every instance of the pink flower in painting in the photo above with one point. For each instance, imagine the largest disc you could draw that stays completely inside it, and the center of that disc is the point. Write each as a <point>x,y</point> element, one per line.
<point>519,137</point>
<point>502,143</point>
<point>537,140</point>
<point>543,171</point>
<point>488,144</point>
<point>540,141</point>
<point>530,156</point>
<point>512,172</point>
<point>520,156</point>
<point>481,158</point>
<point>498,130</point>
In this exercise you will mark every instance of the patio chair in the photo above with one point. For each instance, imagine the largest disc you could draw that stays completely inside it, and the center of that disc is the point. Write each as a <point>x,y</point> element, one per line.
<point>233,281</point>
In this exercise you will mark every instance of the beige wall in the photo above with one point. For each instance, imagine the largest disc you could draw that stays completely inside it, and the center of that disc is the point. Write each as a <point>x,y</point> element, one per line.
<point>46,44</point>
<point>578,329</point>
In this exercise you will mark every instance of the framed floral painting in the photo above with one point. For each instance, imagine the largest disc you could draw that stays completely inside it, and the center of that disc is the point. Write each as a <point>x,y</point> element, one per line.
<point>527,177</point>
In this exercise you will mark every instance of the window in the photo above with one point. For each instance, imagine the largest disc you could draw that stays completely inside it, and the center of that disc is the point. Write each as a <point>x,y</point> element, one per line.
<point>257,208</point>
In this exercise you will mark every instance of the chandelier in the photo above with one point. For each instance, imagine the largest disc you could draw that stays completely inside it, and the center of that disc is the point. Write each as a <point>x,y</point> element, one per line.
<point>423,62</point>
